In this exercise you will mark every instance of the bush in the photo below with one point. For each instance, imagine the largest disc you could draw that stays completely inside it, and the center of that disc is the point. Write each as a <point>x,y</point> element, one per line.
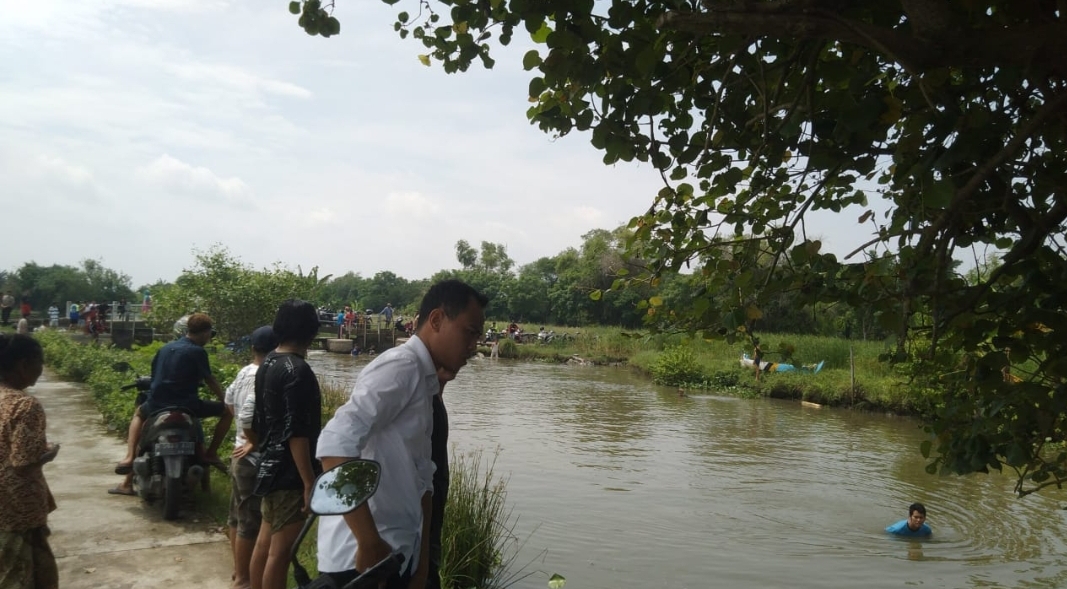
<point>677,366</point>
<point>507,348</point>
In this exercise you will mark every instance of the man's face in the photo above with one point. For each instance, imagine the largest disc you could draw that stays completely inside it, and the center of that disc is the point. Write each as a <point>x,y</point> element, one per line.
<point>915,520</point>
<point>456,339</point>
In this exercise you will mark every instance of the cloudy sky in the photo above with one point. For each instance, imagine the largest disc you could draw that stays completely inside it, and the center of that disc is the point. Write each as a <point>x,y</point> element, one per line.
<point>137,130</point>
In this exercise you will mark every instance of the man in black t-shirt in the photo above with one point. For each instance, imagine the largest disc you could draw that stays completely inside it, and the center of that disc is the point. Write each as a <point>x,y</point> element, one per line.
<point>285,429</point>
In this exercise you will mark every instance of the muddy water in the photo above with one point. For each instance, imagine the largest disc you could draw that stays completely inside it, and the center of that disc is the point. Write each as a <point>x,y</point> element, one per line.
<point>618,483</point>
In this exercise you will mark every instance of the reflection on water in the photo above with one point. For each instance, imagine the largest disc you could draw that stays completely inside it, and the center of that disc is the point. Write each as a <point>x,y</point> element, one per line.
<point>627,485</point>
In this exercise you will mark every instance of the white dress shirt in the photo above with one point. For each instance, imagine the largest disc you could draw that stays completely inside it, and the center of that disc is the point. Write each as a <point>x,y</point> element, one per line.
<point>388,418</point>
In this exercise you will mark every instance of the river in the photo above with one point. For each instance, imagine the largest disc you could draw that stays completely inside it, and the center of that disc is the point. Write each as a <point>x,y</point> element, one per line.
<point>618,483</point>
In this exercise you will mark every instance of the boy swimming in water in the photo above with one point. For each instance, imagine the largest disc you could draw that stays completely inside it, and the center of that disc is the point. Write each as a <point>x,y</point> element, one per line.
<point>915,525</point>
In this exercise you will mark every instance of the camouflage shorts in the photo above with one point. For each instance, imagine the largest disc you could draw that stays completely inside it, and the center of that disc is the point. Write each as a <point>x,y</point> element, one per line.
<point>26,560</point>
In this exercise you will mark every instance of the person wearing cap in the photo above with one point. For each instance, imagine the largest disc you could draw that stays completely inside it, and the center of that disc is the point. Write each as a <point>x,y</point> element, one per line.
<point>245,517</point>
<point>178,368</point>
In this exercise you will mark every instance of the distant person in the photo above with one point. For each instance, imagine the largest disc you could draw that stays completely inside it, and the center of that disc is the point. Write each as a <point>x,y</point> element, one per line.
<point>915,525</point>
<point>23,327</point>
<point>387,312</point>
<point>26,560</point>
<point>53,315</point>
<point>245,516</point>
<point>24,308</point>
<point>74,315</point>
<point>146,303</point>
<point>340,324</point>
<point>494,349</point>
<point>7,303</point>
<point>122,309</point>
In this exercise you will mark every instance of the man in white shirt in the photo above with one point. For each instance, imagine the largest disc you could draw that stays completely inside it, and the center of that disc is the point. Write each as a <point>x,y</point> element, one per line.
<point>389,418</point>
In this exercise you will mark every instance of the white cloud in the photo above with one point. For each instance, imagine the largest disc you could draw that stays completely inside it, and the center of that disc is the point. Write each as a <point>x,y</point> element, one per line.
<point>410,205</point>
<point>176,176</point>
<point>215,75</point>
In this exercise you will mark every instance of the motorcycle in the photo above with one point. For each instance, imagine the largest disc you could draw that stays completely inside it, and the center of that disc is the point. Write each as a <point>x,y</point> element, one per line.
<point>338,491</point>
<point>167,461</point>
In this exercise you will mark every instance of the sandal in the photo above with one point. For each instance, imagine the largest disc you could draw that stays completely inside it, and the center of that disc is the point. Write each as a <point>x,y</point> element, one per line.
<point>123,468</point>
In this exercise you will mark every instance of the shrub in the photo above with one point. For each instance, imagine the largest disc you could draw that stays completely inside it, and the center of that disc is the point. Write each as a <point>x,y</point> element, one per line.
<point>507,348</point>
<point>677,366</point>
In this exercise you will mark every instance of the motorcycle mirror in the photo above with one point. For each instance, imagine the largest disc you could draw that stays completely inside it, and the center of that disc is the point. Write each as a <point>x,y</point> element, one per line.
<point>345,487</point>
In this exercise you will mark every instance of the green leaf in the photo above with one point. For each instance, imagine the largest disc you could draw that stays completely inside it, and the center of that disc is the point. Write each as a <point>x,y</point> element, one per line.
<point>424,60</point>
<point>541,34</point>
<point>939,195</point>
<point>294,7</point>
<point>596,294</point>
<point>537,86</point>
<point>556,581</point>
<point>531,60</point>
<point>655,301</point>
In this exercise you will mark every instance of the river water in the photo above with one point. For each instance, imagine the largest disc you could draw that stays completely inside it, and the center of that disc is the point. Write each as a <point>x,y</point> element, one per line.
<point>618,483</point>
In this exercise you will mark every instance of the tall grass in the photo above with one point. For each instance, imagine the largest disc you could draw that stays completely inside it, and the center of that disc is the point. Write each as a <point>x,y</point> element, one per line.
<point>476,538</point>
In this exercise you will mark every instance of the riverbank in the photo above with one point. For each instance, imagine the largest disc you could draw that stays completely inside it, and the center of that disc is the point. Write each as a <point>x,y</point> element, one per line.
<point>853,374</point>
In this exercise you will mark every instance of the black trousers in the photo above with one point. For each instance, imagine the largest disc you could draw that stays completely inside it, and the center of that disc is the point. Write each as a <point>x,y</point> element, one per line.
<point>5,315</point>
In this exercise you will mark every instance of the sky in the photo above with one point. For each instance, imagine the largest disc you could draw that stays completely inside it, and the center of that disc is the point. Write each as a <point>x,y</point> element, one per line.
<point>139,131</point>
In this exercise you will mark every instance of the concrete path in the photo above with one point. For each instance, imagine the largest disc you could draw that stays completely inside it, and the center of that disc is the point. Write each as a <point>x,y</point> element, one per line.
<point>110,541</point>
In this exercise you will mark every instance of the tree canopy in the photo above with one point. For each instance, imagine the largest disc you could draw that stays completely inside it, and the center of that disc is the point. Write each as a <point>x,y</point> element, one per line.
<point>759,112</point>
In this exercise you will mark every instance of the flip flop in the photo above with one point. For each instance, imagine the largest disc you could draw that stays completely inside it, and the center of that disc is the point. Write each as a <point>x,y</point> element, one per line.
<point>123,469</point>
<point>120,491</point>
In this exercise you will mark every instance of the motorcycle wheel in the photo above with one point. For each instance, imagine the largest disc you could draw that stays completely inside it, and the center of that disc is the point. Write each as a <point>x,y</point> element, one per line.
<point>172,495</point>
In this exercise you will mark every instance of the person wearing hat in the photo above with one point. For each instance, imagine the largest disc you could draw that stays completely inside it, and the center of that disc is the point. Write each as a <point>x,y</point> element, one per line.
<point>245,517</point>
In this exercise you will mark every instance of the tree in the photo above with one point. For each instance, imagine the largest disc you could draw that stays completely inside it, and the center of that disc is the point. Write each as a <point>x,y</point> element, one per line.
<point>236,297</point>
<point>44,285</point>
<point>465,254</point>
<point>758,112</point>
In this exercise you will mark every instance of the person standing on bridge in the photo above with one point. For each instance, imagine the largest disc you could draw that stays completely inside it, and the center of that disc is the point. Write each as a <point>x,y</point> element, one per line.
<point>28,562</point>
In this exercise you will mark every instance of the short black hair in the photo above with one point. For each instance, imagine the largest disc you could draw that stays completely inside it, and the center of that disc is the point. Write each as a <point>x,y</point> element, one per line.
<point>451,295</point>
<point>17,347</point>
<point>296,322</point>
<point>916,507</point>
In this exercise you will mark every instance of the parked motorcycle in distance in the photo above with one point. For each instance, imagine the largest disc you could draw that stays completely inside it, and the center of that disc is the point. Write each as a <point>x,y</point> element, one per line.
<point>336,492</point>
<point>166,464</point>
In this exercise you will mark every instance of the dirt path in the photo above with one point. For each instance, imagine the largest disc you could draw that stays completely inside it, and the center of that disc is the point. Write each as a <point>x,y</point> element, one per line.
<point>109,541</point>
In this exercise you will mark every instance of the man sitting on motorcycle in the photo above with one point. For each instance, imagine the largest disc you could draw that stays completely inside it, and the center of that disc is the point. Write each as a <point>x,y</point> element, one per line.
<point>178,369</point>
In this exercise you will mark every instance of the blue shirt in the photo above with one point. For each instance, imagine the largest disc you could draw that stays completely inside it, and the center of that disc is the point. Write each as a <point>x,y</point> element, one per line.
<point>177,371</point>
<point>901,529</point>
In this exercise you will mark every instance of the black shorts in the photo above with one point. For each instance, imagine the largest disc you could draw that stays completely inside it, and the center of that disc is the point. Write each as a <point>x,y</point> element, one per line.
<point>198,408</point>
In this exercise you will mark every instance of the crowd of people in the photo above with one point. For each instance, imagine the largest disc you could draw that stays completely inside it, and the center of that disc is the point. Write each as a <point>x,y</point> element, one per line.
<point>395,415</point>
